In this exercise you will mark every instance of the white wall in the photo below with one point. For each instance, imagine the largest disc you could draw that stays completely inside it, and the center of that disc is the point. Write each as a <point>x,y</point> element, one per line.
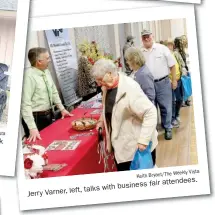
<point>111,38</point>
<point>177,27</point>
<point>161,30</point>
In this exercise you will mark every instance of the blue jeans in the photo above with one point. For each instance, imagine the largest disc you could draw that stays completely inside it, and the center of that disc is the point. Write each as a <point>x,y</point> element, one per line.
<point>163,98</point>
<point>177,100</point>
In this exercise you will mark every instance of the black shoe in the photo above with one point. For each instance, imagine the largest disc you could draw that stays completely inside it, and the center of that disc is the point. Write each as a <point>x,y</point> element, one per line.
<point>168,134</point>
<point>184,104</point>
<point>188,103</point>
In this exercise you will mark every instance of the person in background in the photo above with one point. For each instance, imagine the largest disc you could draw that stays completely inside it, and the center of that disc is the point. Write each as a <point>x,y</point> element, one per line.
<point>187,62</point>
<point>129,43</point>
<point>184,53</point>
<point>129,118</point>
<point>161,63</point>
<point>141,73</point>
<point>142,76</point>
<point>177,94</point>
<point>39,95</point>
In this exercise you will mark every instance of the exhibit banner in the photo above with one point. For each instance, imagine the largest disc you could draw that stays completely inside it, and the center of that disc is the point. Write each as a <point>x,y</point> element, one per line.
<point>65,63</point>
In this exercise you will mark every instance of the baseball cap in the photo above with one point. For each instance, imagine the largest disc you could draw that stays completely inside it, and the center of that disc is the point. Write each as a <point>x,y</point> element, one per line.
<point>145,32</point>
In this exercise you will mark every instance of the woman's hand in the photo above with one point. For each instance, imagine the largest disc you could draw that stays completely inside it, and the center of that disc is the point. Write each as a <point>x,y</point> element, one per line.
<point>141,147</point>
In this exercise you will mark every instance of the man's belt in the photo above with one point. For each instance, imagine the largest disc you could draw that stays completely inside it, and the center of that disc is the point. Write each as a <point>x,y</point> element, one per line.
<point>160,79</point>
<point>43,113</point>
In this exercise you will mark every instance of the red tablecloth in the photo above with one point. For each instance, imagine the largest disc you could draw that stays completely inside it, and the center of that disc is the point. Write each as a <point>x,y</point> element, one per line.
<point>84,159</point>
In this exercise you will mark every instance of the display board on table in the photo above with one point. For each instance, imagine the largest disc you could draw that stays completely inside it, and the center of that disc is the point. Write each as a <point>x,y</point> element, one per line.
<point>64,58</point>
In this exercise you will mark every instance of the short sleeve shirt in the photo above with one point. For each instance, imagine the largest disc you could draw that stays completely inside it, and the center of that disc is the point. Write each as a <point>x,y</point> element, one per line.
<point>159,60</point>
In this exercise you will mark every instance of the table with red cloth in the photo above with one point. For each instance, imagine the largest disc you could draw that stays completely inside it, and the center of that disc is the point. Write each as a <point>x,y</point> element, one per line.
<point>85,158</point>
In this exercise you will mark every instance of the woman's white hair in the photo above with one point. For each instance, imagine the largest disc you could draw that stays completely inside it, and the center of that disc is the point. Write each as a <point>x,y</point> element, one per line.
<point>103,66</point>
<point>135,55</point>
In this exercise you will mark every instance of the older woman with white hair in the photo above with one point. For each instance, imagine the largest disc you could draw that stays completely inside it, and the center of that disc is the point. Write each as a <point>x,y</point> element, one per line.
<point>141,73</point>
<point>129,118</point>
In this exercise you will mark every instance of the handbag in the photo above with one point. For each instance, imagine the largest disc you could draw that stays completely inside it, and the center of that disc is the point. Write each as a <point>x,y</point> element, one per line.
<point>187,87</point>
<point>142,159</point>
